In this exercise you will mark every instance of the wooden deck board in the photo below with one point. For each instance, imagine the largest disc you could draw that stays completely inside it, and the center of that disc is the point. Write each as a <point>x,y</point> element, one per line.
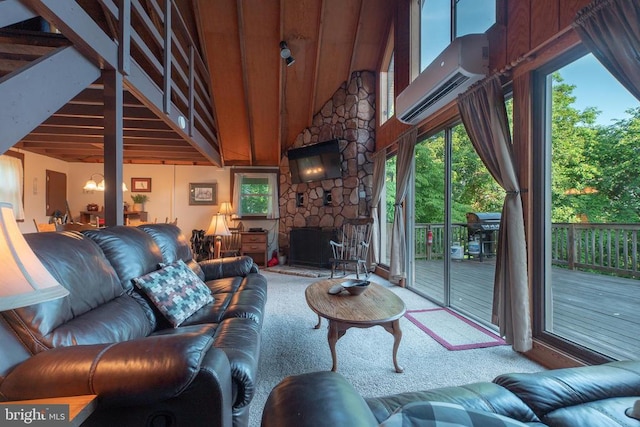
<point>598,311</point>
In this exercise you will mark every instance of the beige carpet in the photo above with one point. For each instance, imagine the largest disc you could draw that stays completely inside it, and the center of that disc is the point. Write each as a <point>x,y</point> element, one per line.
<point>291,346</point>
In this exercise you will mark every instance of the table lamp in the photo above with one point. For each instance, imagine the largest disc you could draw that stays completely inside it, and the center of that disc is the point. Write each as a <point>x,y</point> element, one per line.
<point>25,280</point>
<point>217,228</point>
<point>226,209</point>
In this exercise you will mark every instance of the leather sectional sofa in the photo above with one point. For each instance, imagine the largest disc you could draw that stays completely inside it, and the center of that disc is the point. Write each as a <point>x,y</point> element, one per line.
<point>591,396</point>
<point>107,337</point>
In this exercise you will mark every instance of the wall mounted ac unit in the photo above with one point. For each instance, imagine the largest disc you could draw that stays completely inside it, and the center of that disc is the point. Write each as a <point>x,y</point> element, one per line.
<point>462,63</point>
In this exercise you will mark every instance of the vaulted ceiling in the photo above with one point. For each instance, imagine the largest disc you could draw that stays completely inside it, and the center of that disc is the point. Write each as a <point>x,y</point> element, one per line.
<point>260,105</point>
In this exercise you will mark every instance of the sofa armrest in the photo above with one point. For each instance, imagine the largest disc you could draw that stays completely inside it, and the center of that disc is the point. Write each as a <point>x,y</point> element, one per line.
<point>316,399</point>
<point>129,373</point>
<point>227,267</point>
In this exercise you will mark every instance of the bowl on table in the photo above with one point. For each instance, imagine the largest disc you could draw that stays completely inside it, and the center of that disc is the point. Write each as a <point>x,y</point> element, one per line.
<point>355,287</point>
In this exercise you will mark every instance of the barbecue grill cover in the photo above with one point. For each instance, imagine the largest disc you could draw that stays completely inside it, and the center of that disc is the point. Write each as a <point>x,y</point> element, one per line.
<point>480,217</point>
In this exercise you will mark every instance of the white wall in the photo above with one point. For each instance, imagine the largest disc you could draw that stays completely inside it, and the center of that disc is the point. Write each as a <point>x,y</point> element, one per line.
<point>169,196</point>
<point>35,185</point>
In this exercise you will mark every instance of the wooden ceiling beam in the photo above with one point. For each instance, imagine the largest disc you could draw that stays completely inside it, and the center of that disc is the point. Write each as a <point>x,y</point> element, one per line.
<point>245,81</point>
<point>95,111</point>
<point>316,64</point>
<point>96,122</point>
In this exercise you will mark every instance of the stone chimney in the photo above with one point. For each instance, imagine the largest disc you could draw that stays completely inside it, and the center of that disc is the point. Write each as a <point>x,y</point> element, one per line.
<point>348,116</point>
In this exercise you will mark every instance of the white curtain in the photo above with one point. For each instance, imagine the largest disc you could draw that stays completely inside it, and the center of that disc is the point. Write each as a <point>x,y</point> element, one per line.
<point>273,209</point>
<point>237,183</point>
<point>406,146</point>
<point>11,177</point>
<point>379,160</point>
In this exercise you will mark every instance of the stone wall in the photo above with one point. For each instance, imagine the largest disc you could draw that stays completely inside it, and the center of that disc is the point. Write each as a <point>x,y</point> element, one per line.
<point>348,116</point>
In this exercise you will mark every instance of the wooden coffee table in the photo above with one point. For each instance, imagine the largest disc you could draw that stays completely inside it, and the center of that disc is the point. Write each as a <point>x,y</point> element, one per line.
<point>375,306</point>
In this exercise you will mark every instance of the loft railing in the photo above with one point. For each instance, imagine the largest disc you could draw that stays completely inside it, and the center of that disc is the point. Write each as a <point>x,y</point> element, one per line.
<point>610,248</point>
<point>157,38</point>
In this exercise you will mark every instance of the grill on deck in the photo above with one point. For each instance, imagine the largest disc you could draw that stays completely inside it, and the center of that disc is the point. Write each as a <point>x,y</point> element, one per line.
<point>482,232</point>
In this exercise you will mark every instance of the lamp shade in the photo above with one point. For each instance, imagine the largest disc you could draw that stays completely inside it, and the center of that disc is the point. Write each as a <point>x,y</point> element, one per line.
<point>24,280</point>
<point>218,227</point>
<point>225,208</point>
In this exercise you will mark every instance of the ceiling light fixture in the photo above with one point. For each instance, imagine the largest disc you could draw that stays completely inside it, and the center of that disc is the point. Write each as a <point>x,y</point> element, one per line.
<point>94,185</point>
<point>285,53</point>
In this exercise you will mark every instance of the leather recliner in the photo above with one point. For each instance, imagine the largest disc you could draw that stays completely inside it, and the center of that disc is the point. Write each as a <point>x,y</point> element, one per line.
<point>106,338</point>
<point>594,396</point>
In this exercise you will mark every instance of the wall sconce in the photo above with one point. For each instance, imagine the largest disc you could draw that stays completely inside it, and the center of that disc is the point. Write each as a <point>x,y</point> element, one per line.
<point>285,53</point>
<point>94,185</point>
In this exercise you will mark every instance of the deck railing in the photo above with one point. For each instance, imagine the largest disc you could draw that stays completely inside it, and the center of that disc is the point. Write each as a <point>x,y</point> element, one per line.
<point>611,248</point>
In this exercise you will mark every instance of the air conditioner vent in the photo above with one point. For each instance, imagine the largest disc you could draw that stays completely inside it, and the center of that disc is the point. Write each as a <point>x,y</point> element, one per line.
<point>449,86</point>
<point>462,63</point>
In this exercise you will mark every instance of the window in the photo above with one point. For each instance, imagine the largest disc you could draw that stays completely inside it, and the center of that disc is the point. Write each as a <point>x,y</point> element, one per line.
<point>586,250</point>
<point>443,20</point>
<point>11,176</point>
<point>387,92</point>
<point>256,194</point>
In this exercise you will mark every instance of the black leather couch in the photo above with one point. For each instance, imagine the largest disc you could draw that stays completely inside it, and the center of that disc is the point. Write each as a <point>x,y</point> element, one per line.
<point>107,339</point>
<point>591,396</point>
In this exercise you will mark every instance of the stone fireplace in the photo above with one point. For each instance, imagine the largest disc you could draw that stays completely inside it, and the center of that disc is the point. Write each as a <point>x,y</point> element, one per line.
<point>348,116</point>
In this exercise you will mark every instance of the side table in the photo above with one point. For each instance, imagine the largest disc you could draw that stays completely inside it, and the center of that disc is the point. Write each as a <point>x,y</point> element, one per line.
<point>254,244</point>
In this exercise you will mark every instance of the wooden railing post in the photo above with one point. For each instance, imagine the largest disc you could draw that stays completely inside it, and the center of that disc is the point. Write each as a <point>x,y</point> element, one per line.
<point>571,247</point>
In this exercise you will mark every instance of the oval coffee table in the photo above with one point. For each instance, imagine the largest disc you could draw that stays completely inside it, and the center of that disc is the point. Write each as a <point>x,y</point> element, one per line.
<point>375,306</point>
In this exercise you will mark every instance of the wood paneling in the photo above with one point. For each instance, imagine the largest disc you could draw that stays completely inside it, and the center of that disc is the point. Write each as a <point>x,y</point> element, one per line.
<point>568,10</point>
<point>518,28</point>
<point>544,20</point>
<point>221,18</point>
<point>402,55</point>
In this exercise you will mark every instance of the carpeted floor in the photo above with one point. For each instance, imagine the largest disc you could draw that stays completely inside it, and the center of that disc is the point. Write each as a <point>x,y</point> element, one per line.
<point>291,346</point>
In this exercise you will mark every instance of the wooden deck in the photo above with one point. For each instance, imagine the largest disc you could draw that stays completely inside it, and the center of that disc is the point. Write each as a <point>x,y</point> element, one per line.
<point>597,311</point>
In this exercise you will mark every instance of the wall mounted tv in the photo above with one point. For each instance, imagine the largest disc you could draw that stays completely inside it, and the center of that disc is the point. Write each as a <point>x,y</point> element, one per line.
<point>315,162</point>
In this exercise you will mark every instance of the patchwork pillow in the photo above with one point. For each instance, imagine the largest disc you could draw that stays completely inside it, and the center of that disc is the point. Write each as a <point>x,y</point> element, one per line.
<point>175,290</point>
<point>441,414</point>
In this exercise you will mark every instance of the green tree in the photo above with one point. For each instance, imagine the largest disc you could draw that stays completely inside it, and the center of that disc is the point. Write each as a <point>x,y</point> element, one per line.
<point>573,172</point>
<point>615,153</point>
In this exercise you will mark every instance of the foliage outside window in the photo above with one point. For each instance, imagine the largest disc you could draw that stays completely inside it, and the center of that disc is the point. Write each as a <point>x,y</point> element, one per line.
<point>255,194</point>
<point>590,207</point>
<point>438,29</point>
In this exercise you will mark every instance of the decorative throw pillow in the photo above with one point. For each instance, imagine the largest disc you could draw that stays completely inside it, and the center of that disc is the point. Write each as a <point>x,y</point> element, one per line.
<point>442,414</point>
<point>175,290</point>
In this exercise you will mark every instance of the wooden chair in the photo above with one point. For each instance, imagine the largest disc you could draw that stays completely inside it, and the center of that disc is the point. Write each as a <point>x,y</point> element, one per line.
<point>353,246</point>
<point>44,227</point>
<point>231,244</point>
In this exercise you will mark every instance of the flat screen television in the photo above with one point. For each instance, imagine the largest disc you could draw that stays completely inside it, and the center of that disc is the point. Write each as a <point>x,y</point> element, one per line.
<point>315,162</point>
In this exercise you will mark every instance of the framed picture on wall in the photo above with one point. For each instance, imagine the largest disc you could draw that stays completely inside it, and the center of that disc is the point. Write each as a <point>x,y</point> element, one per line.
<point>141,185</point>
<point>204,193</point>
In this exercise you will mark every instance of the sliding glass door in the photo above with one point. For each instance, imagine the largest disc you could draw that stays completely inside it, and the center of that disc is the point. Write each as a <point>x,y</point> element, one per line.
<point>454,259</point>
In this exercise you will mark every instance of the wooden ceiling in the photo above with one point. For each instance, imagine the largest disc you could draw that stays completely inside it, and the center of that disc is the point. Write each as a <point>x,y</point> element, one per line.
<point>260,104</point>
